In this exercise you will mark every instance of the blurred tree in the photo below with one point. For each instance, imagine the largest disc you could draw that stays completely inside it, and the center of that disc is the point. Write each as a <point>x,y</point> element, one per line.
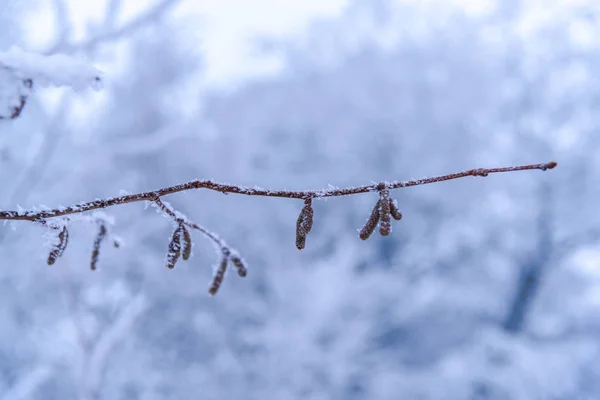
<point>385,91</point>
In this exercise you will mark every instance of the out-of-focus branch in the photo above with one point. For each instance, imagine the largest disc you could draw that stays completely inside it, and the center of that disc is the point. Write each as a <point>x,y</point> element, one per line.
<point>61,11</point>
<point>98,354</point>
<point>535,268</point>
<point>128,28</point>
<point>31,381</point>
<point>566,245</point>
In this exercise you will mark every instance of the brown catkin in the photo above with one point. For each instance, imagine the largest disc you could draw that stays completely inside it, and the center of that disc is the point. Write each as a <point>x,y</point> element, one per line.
<point>396,214</point>
<point>96,249</point>
<point>385,227</point>
<point>300,240</point>
<point>239,265</point>
<point>59,248</point>
<point>372,222</point>
<point>219,275</point>
<point>300,232</point>
<point>174,251</point>
<point>308,216</point>
<point>304,223</point>
<point>187,243</point>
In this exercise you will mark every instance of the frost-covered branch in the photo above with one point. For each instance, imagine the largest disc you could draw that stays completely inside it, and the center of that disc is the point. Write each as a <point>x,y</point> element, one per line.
<point>180,245</point>
<point>21,71</point>
<point>155,195</point>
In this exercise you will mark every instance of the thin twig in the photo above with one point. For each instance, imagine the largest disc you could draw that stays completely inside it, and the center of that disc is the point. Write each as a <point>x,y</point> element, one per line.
<point>154,196</point>
<point>169,211</point>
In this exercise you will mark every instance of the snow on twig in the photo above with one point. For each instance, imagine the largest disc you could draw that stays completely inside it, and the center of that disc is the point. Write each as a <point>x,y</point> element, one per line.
<point>21,71</point>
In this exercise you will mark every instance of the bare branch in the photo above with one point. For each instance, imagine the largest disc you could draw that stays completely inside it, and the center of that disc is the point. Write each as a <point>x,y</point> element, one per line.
<point>155,195</point>
<point>382,213</point>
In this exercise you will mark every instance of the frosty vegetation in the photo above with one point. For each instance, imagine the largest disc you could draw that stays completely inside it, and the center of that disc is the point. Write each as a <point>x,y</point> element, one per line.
<point>20,71</point>
<point>26,69</point>
<point>468,289</point>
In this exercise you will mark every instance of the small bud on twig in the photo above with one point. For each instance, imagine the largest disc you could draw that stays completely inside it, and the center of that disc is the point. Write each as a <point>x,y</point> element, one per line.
<point>385,227</point>
<point>372,222</point>
<point>174,248</point>
<point>59,248</point>
<point>96,248</point>
<point>219,275</point>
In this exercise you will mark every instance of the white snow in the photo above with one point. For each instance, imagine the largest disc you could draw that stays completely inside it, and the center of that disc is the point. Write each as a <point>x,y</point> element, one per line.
<point>54,70</point>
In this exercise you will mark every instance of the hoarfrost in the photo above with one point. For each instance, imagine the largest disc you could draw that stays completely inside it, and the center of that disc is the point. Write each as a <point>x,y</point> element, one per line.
<point>55,70</point>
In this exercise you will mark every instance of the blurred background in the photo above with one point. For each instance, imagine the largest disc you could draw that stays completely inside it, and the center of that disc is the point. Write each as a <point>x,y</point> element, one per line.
<point>487,289</point>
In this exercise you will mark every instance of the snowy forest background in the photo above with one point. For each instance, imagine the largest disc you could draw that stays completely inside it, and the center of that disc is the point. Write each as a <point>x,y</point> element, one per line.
<point>487,289</point>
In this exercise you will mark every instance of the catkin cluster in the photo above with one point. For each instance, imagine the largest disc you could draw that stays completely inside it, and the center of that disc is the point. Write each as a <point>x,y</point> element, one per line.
<point>62,239</point>
<point>180,246</point>
<point>385,209</point>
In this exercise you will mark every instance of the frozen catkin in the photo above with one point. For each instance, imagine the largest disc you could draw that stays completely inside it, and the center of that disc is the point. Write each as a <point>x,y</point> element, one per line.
<point>174,251</point>
<point>219,275</point>
<point>96,249</point>
<point>372,222</point>
<point>240,265</point>
<point>60,246</point>
<point>304,224</point>
<point>187,243</point>
<point>385,225</point>
<point>394,211</point>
